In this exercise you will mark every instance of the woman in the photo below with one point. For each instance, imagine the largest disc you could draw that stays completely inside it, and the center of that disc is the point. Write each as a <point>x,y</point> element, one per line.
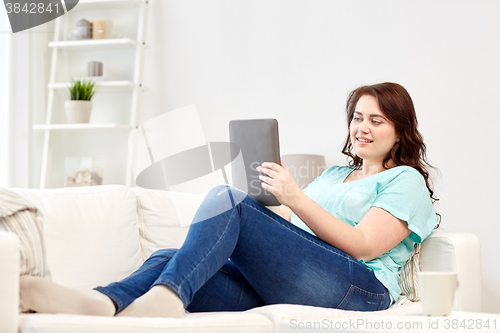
<point>351,230</point>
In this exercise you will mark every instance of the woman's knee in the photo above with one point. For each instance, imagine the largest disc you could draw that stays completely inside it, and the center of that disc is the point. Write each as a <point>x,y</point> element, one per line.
<point>217,188</point>
<point>227,193</point>
<point>163,253</point>
<point>219,200</point>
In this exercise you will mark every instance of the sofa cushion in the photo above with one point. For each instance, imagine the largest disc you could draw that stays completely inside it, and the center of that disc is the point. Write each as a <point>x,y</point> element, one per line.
<point>214,322</point>
<point>91,233</point>
<point>293,317</point>
<point>164,218</point>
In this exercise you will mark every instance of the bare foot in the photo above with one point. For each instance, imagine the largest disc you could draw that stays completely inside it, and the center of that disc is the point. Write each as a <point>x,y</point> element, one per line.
<point>44,296</point>
<point>159,301</point>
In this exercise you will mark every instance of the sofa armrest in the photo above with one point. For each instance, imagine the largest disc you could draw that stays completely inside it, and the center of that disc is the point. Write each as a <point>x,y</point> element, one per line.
<point>460,252</point>
<point>9,282</point>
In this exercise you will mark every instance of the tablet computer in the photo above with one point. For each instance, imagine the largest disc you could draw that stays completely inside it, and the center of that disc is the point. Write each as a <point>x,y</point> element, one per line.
<point>257,140</point>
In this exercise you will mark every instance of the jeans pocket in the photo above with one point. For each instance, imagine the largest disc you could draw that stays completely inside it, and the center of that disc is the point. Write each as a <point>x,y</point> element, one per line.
<point>358,299</point>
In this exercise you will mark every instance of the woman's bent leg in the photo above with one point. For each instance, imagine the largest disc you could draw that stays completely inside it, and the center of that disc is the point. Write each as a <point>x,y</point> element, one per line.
<point>44,296</point>
<point>282,263</point>
<point>227,290</point>
<point>138,283</point>
<point>211,240</point>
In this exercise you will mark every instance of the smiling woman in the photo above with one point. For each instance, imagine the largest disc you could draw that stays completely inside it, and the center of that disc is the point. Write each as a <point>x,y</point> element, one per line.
<point>372,134</point>
<point>383,132</point>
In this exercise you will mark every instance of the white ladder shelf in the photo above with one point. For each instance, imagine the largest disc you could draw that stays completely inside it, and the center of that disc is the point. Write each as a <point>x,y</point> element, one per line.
<point>135,86</point>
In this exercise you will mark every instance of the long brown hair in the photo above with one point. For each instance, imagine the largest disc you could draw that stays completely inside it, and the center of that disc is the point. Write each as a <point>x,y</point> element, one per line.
<point>397,105</point>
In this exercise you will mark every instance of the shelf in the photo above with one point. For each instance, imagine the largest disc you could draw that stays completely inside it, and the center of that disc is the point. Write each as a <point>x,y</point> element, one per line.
<point>90,127</point>
<point>108,85</point>
<point>105,4</point>
<point>114,88</point>
<point>101,44</point>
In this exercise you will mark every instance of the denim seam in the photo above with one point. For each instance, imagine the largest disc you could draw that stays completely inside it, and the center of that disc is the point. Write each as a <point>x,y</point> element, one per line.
<point>151,266</point>
<point>171,285</point>
<point>366,292</point>
<point>113,296</point>
<point>382,301</point>
<point>382,296</point>
<point>346,297</point>
<point>181,294</point>
<point>345,257</point>
<point>231,273</point>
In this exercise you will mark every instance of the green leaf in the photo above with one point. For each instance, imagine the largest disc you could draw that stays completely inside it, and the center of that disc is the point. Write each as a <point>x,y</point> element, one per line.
<point>81,90</point>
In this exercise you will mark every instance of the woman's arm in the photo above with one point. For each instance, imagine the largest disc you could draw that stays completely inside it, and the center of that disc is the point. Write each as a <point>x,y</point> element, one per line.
<point>376,233</point>
<point>286,212</point>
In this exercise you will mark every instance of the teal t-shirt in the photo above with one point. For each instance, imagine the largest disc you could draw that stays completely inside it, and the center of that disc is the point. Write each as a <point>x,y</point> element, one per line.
<point>400,191</point>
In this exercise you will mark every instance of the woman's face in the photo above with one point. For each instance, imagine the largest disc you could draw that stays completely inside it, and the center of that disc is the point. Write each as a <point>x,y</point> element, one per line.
<point>372,134</point>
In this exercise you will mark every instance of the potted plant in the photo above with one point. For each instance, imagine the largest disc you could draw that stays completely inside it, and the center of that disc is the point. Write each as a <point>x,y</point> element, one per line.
<point>79,106</point>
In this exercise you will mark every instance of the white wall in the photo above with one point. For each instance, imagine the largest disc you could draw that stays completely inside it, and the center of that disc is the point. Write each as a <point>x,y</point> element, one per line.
<point>297,61</point>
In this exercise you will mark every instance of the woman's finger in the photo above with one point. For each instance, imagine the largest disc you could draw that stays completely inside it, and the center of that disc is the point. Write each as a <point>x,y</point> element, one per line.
<point>272,166</point>
<point>267,180</point>
<point>268,188</point>
<point>267,171</point>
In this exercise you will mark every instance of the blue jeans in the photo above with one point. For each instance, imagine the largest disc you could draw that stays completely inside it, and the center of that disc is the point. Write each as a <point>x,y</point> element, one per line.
<point>247,256</point>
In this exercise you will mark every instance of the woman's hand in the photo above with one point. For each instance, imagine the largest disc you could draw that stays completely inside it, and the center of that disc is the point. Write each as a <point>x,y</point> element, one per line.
<point>278,181</point>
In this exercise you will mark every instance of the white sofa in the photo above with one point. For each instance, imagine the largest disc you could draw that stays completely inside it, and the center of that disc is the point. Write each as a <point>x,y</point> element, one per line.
<point>96,235</point>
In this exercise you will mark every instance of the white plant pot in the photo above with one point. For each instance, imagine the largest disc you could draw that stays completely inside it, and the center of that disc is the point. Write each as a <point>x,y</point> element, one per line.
<point>77,111</point>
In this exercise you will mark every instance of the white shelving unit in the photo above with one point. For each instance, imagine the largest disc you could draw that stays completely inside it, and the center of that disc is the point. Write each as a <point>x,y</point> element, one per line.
<point>134,87</point>
<point>107,85</point>
<point>83,127</point>
<point>102,44</point>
